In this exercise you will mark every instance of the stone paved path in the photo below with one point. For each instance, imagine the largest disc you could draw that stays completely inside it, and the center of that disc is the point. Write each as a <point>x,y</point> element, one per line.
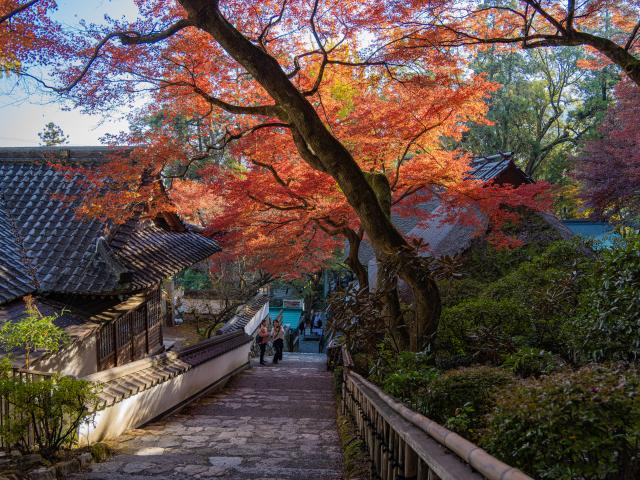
<point>273,422</point>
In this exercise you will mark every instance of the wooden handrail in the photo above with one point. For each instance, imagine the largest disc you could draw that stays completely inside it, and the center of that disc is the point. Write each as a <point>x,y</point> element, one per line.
<point>347,361</point>
<point>407,444</point>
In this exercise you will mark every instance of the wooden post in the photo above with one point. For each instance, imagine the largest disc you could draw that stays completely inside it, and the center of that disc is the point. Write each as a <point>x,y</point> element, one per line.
<point>410,463</point>
<point>167,304</point>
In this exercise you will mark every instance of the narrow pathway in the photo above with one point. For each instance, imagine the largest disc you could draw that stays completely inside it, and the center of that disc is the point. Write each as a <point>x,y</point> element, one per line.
<point>272,422</point>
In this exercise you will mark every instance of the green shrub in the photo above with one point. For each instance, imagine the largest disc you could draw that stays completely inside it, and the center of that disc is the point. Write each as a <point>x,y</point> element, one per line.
<point>532,305</point>
<point>608,326</point>
<point>483,264</point>
<point>52,408</point>
<point>338,374</point>
<point>528,361</point>
<point>548,287</point>
<point>488,263</point>
<point>32,332</point>
<point>406,385</point>
<point>100,452</point>
<point>461,398</point>
<point>570,425</point>
<point>483,329</point>
<point>190,279</point>
<point>361,363</point>
<point>409,375</point>
<point>452,292</point>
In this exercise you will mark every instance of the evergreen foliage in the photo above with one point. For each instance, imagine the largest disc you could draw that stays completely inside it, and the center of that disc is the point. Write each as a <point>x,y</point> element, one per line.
<point>52,135</point>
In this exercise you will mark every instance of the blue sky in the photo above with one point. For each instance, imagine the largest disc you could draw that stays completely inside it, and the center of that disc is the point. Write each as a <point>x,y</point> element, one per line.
<point>24,113</point>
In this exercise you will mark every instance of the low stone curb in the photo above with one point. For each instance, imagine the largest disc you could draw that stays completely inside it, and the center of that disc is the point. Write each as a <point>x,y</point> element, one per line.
<point>60,470</point>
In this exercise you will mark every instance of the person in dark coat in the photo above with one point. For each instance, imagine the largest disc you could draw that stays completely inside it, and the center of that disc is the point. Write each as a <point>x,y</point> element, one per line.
<point>263,339</point>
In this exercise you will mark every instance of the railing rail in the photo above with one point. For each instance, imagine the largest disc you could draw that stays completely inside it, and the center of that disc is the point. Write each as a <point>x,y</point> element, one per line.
<point>404,444</point>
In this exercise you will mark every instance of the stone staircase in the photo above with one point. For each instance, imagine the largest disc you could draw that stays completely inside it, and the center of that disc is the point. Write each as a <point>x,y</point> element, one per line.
<point>272,422</point>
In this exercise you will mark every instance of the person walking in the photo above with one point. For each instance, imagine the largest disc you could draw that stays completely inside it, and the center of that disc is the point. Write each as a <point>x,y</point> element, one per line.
<point>263,339</point>
<point>278,341</point>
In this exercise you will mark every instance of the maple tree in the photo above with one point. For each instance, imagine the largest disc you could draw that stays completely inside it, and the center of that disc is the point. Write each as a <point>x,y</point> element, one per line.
<point>540,24</point>
<point>609,167</point>
<point>27,33</point>
<point>286,204</point>
<point>323,105</point>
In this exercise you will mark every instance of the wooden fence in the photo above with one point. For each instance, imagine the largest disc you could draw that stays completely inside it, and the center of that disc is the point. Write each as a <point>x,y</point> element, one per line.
<point>405,445</point>
<point>7,410</point>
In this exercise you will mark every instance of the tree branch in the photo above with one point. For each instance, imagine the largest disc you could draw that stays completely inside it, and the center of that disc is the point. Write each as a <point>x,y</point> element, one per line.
<point>274,20</point>
<point>17,10</point>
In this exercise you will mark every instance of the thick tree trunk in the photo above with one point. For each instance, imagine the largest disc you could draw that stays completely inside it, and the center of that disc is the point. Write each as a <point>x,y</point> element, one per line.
<point>320,149</point>
<point>614,52</point>
<point>353,261</point>
<point>427,305</point>
<point>395,321</point>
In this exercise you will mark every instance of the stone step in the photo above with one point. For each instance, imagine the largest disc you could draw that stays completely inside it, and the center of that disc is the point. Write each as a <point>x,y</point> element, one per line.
<point>274,422</point>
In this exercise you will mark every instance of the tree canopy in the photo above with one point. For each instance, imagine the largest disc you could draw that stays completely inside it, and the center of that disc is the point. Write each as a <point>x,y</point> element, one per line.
<point>292,125</point>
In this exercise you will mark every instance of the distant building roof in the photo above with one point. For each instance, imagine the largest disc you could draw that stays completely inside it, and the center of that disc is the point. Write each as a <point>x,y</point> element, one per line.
<point>47,249</point>
<point>446,238</point>
<point>442,237</point>
<point>500,168</point>
<point>403,223</point>
<point>244,315</point>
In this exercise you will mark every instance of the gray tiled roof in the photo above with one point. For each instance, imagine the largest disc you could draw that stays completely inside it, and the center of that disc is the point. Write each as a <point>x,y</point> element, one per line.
<point>404,224</point>
<point>16,280</point>
<point>46,248</point>
<point>64,318</point>
<point>244,315</point>
<point>490,167</point>
<point>449,238</point>
<point>442,237</point>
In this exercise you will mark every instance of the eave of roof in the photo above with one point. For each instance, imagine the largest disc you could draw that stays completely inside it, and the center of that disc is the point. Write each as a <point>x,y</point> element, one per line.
<point>59,253</point>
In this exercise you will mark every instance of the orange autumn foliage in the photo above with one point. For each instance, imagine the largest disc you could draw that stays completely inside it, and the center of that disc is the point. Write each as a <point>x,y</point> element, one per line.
<point>396,109</point>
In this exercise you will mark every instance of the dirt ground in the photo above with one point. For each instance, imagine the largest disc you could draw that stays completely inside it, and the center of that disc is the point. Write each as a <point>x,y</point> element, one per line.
<point>183,335</point>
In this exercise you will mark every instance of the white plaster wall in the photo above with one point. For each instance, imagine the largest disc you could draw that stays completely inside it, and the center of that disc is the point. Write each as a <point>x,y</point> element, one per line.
<point>201,305</point>
<point>78,359</point>
<point>255,321</point>
<point>139,409</point>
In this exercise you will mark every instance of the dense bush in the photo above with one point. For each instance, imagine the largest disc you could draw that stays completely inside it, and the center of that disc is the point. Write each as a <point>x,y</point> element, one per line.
<point>532,305</point>
<point>548,287</point>
<point>534,312</point>
<point>190,279</point>
<point>411,375</point>
<point>583,424</point>
<point>482,329</point>
<point>529,361</point>
<point>461,398</point>
<point>454,291</point>
<point>608,325</point>
<point>50,409</point>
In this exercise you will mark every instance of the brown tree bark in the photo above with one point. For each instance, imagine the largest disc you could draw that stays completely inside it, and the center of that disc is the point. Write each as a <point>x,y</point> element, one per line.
<point>352,259</point>
<point>320,149</point>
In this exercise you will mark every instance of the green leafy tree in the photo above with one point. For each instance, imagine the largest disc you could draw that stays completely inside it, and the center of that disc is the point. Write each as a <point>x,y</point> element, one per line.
<point>546,105</point>
<point>33,332</point>
<point>52,135</point>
